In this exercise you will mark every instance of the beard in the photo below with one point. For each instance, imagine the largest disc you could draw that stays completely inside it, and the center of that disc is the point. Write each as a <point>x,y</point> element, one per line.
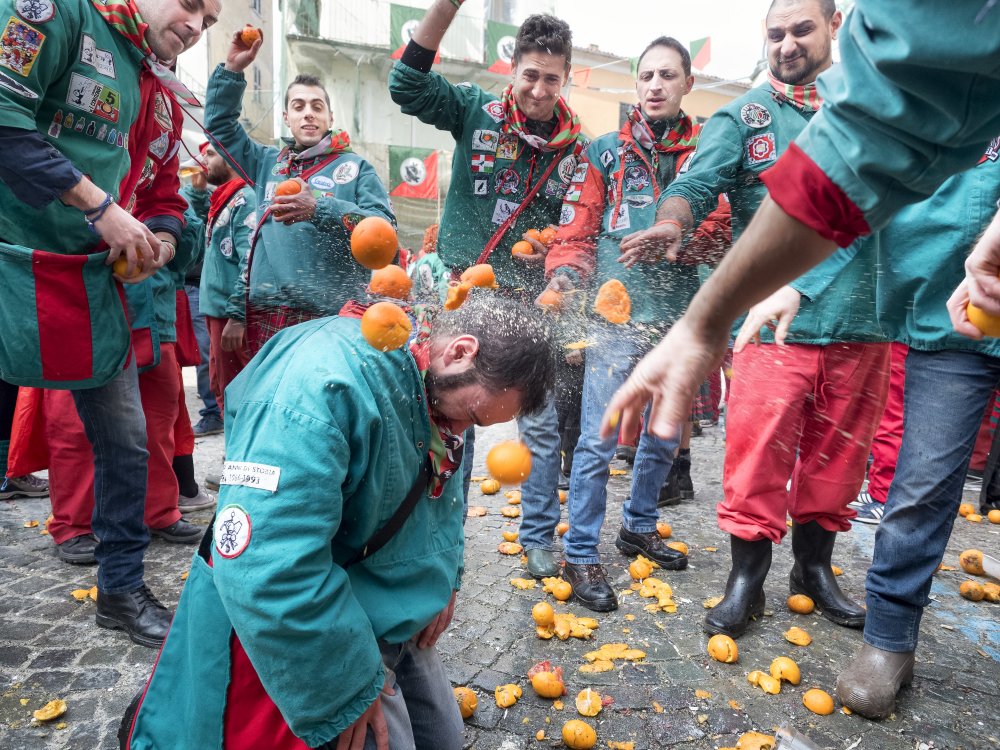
<point>803,69</point>
<point>438,385</point>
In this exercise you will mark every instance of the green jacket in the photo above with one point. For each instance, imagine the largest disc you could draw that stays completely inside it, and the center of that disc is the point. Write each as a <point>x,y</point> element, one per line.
<point>84,109</point>
<point>307,265</point>
<point>227,244</point>
<point>490,173</point>
<point>741,140</point>
<point>354,434</point>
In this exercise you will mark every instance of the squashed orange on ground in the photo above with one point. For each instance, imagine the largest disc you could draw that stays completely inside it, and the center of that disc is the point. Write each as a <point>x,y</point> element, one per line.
<point>51,710</point>
<point>765,682</point>
<point>755,741</point>
<point>509,462</point>
<point>965,509</point>
<point>798,636</point>
<point>801,604</point>
<point>467,701</point>
<point>509,548</point>
<point>385,326</point>
<point>509,536</point>
<point>783,668</point>
<point>613,303</point>
<point>588,702</point>
<point>547,680</point>
<point>994,516</point>
<point>390,281</point>
<point>561,528</point>
<point>543,614</point>
<point>972,590</point>
<point>664,529</point>
<point>489,487</point>
<point>818,701</point>
<point>507,695</point>
<point>723,648</point>
<point>374,242</point>
<point>578,735</point>
<point>972,562</point>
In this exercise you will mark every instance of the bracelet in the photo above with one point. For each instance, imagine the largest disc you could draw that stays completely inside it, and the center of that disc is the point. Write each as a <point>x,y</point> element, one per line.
<point>94,215</point>
<point>457,3</point>
<point>173,250</point>
<point>669,221</point>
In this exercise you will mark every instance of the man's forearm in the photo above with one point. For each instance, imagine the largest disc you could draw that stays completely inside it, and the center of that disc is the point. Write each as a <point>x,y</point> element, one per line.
<point>676,209</point>
<point>85,195</point>
<point>774,250</point>
<point>435,23</point>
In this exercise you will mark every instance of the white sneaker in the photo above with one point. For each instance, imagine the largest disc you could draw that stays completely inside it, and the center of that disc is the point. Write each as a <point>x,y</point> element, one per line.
<point>862,500</point>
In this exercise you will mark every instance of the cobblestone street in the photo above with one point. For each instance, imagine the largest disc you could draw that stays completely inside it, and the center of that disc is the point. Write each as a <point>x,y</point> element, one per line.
<point>51,648</point>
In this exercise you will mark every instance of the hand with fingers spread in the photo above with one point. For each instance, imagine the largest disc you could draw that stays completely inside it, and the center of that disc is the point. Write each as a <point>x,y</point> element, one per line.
<point>239,56</point>
<point>290,209</point>
<point>776,312</point>
<point>353,738</point>
<point>662,241</point>
<point>430,634</point>
<point>669,376</point>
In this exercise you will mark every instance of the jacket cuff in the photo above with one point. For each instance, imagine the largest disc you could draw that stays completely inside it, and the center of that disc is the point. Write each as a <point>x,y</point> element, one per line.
<point>417,57</point>
<point>169,224</point>
<point>805,193</point>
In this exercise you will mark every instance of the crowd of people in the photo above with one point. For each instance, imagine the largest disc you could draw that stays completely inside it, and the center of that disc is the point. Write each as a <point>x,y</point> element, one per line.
<point>828,216</point>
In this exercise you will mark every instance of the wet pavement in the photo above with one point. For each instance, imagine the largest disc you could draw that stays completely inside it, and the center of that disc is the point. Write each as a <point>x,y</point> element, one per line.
<point>676,697</point>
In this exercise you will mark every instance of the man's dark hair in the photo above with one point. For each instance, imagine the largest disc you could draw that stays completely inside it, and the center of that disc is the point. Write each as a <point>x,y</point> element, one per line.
<point>515,346</point>
<point>826,7</point>
<point>544,33</point>
<point>671,43</point>
<point>304,79</point>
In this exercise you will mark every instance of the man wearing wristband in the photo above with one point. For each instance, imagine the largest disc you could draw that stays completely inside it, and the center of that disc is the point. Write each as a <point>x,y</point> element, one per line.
<point>613,195</point>
<point>514,157</point>
<point>805,411</point>
<point>68,101</point>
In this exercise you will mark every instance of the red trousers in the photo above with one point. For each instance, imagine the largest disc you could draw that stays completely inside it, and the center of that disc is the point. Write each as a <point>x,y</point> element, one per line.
<point>223,366</point>
<point>889,433</point>
<point>183,433</point>
<point>985,437</point>
<point>71,463</point>
<point>805,413</point>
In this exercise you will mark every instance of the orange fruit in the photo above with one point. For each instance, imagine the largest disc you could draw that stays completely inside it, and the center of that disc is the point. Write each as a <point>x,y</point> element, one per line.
<point>798,636</point>
<point>249,35</point>
<point>664,530</point>
<point>543,614</point>
<point>765,682</point>
<point>723,648</point>
<point>390,281</point>
<point>480,275</point>
<point>490,487</point>
<point>818,701</point>
<point>509,462</point>
<point>986,322</point>
<point>548,684</point>
<point>51,710</point>
<point>510,536</point>
<point>578,735</point>
<point>562,527</point>
<point>640,569</point>
<point>550,298</point>
<point>121,265</point>
<point>801,603</point>
<point>507,695</point>
<point>679,546</point>
<point>972,590</point>
<point>965,509</point>
<point>972,562</point>
<point>467,701</point>
<point>562,590</point>
<point>534,234</point>
<point>547,236</point>
<point>509,548</point>
<point>755,741</point>
<point>991,592</point>
<point>385,326</point>
<point>588,702</point>
<point>785,669</point>
<point>522,247</point>
<point>994,516</point>
<point>288,187</point>
<point>613,303</point>
<point>374,242</point>
<point>563,497</point>
<point>974,518</point>
<point>457,292</point>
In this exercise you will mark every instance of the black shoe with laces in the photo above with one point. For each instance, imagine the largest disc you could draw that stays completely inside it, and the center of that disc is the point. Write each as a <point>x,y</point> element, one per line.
<point>180,532</point>
<point>138,613</point>
<point>590,586</point>
<point>670,492</point>
<point>651,546</point>
<point>79,550</point>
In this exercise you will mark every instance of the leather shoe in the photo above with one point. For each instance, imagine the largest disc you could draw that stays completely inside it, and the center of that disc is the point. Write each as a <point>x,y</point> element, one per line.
<point>590,586</point>
<point>138,613</point>
<point>79,550</point>
<point>542,563</point>
<point>650,545</point>
<point>870,683</point>
<point>180,532</point>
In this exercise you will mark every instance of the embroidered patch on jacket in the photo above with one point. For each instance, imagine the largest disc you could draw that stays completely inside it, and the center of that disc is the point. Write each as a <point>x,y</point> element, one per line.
<point>346,172</point>
<point>351,220</point>
<point>483,163</point>
<point>159,146</point>
<point>94,97</point>
<point>508,147</point>
<point>11,85</point>
<point>636,178</point>
<point>103,62</point>
<point>638,201</point>
<point>580,173</point>
<point>481,187</point>
<point>567,168</point>
<point>231,531</point>
<point>573,193</point>
<point>607,157</point>
<point>755,115</point>
<point>506,182</point>
<point>19,46</point>
<point>555,189</point>
<point>226,247</point>
<point>36,11</point>
<point>622,220</point>
<point>321,182</point>
<point>760,148</point>
<point>485,140</point>
<point>502,210</point>
<point>494,109</point>
<point>992,151</point>
<point>567,214</point>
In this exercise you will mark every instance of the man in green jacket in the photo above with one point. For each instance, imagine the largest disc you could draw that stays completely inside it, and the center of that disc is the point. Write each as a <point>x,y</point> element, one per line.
<point>804,412</point>
<point>514,158</point>
<point>301,265</point>
<point>285,633</point>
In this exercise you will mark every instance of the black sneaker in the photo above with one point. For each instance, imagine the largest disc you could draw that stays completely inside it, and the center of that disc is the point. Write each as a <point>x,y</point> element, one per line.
<point>210,424</point>
<point>79,550</point>
<point>138,613</point>
<point>180,532</point>
<point>590,586</point>
<point>11,488</point>
<point>625,453</point>
<point>651,546</point>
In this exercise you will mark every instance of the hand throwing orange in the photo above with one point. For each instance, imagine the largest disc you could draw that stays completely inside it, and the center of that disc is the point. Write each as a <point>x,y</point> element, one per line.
<point>288,187</point>
<point>374,242</point>
<point>509,462</point>
<point>390,281</point>
<point>249,35</point>
<point>385,326</point>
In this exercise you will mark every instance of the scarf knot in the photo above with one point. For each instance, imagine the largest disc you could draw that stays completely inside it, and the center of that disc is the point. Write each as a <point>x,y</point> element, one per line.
<point>291,162</point>
<point>680,133</point>
<point>804,96</point>
<point>566,132</point>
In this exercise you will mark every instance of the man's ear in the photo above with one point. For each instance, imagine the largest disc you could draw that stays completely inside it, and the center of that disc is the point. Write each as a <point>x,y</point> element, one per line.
<point>461,350</point>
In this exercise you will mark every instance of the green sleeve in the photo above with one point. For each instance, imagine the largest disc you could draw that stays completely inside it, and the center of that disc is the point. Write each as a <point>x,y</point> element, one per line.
<point>432,99</point>
<point>291,606</point>
<point>223,105</point>
<point>372,200</point>
<point>243,222</point>
<point>198,201</point>
<point>818,279</point>
<point>21,99</point>
<point>713,167</point>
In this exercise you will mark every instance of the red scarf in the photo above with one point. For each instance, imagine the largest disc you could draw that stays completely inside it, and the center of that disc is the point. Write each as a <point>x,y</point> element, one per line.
<point>803,97</point>
<point>567,128</point>
<point>220,198</point>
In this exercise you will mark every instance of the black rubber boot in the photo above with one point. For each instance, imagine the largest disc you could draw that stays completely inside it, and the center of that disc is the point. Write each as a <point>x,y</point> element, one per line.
<point>682,470</point>
<point>670,492</point>
<point>744,590</point>
<point>811,575</point>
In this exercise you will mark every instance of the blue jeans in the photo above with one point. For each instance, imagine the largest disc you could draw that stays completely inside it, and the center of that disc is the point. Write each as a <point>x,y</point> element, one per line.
<point>423,713</point>
<point>113,420</point>
<point>540,492</point>
<point>615,351</point>
<point>945,395</point>
<point>211,407</point>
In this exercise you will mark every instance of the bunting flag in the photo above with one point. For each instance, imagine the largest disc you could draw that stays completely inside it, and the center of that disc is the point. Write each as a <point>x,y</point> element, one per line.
<point>413,172</point>
<point>500,47</point>
<point>403,21</point>
<point>633,66</point>
<point>581,77</point>
<point>701,53</point>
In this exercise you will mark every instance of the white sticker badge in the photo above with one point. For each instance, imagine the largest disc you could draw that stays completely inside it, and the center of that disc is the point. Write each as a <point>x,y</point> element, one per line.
<point>258,476</point>
<point>231,531</point>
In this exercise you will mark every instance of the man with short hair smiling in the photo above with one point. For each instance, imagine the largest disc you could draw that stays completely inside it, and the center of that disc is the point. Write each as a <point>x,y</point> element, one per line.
<point>514,157</point>
<point>300,266</point>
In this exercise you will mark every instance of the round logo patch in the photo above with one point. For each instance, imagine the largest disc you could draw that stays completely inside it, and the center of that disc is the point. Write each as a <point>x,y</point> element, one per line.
<point>567,215</point>
<point>566,168</point>
<point>321,182</point>
<point>35,11</point>
<point>412,171</point>
<point>346,172</point>
<point>755,115</point>
<point>226,247</point>
<point>231,531</point>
